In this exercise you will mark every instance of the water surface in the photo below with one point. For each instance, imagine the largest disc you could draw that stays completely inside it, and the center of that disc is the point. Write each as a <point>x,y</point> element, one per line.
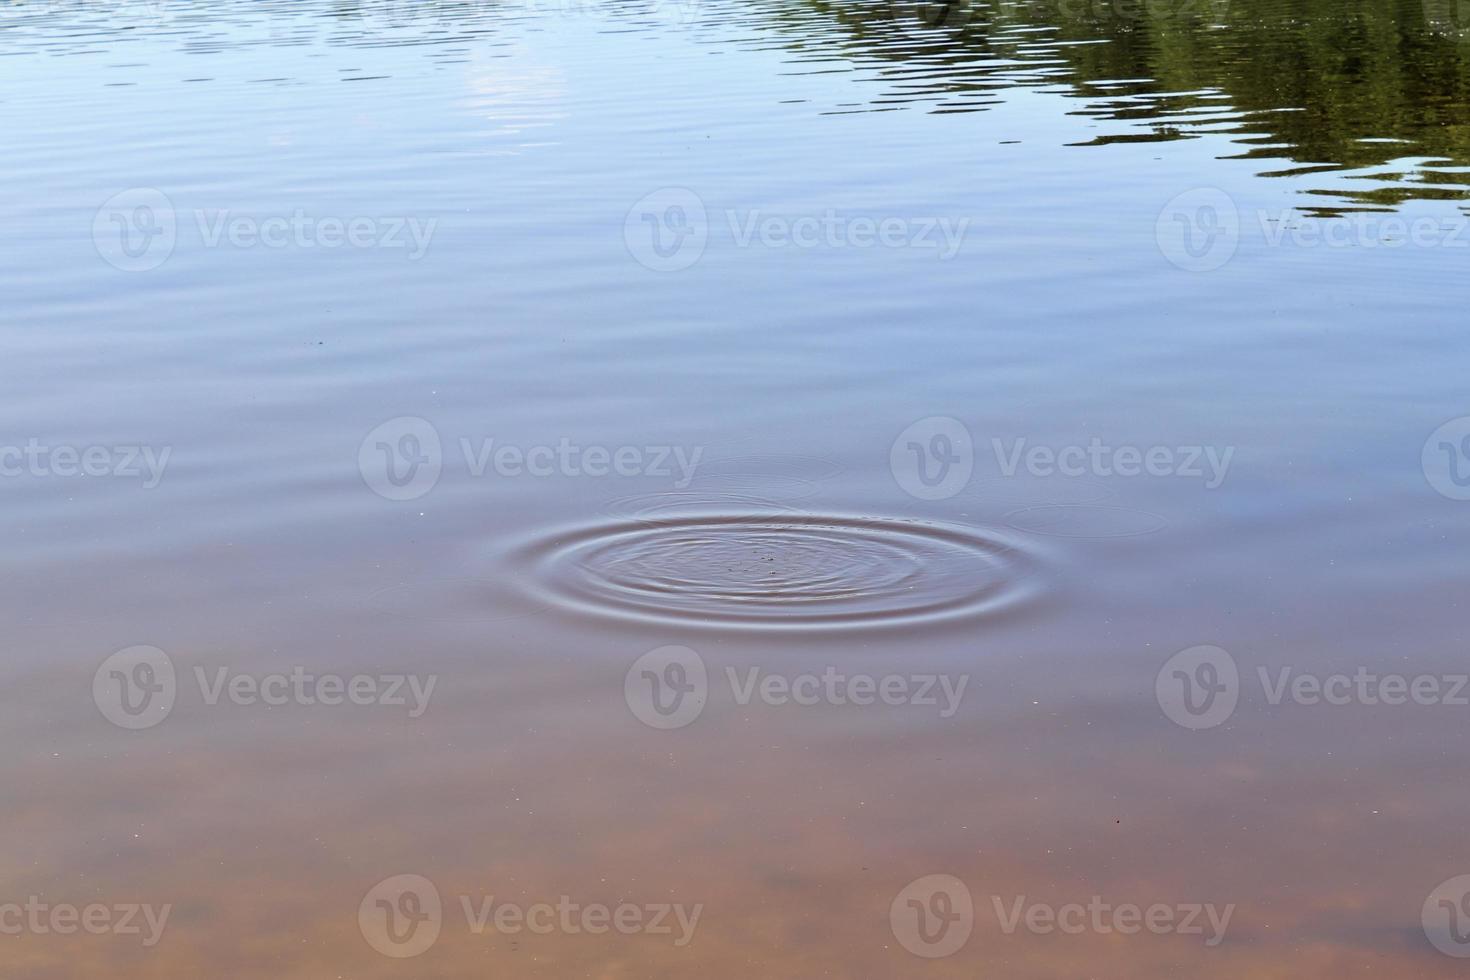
<point>799,287</point>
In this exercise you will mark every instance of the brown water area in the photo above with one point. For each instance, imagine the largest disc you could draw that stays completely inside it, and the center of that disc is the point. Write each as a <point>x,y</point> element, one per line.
<point>734,488</point>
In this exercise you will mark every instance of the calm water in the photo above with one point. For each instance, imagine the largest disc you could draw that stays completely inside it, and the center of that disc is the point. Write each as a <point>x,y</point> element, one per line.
<point>711,467</point>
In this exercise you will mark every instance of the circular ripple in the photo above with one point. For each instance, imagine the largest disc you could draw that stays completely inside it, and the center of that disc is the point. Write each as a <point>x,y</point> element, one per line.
<point>777,570</point>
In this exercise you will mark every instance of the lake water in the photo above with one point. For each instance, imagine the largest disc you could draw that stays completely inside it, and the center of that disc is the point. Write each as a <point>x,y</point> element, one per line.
<point>750,488</point>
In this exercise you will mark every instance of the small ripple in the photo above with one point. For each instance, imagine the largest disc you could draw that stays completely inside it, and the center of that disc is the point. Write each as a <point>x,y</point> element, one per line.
<point>786,571</point>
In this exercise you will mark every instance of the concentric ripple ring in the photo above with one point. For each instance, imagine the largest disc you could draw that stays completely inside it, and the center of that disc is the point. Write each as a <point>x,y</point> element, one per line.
<point>776,570</point>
